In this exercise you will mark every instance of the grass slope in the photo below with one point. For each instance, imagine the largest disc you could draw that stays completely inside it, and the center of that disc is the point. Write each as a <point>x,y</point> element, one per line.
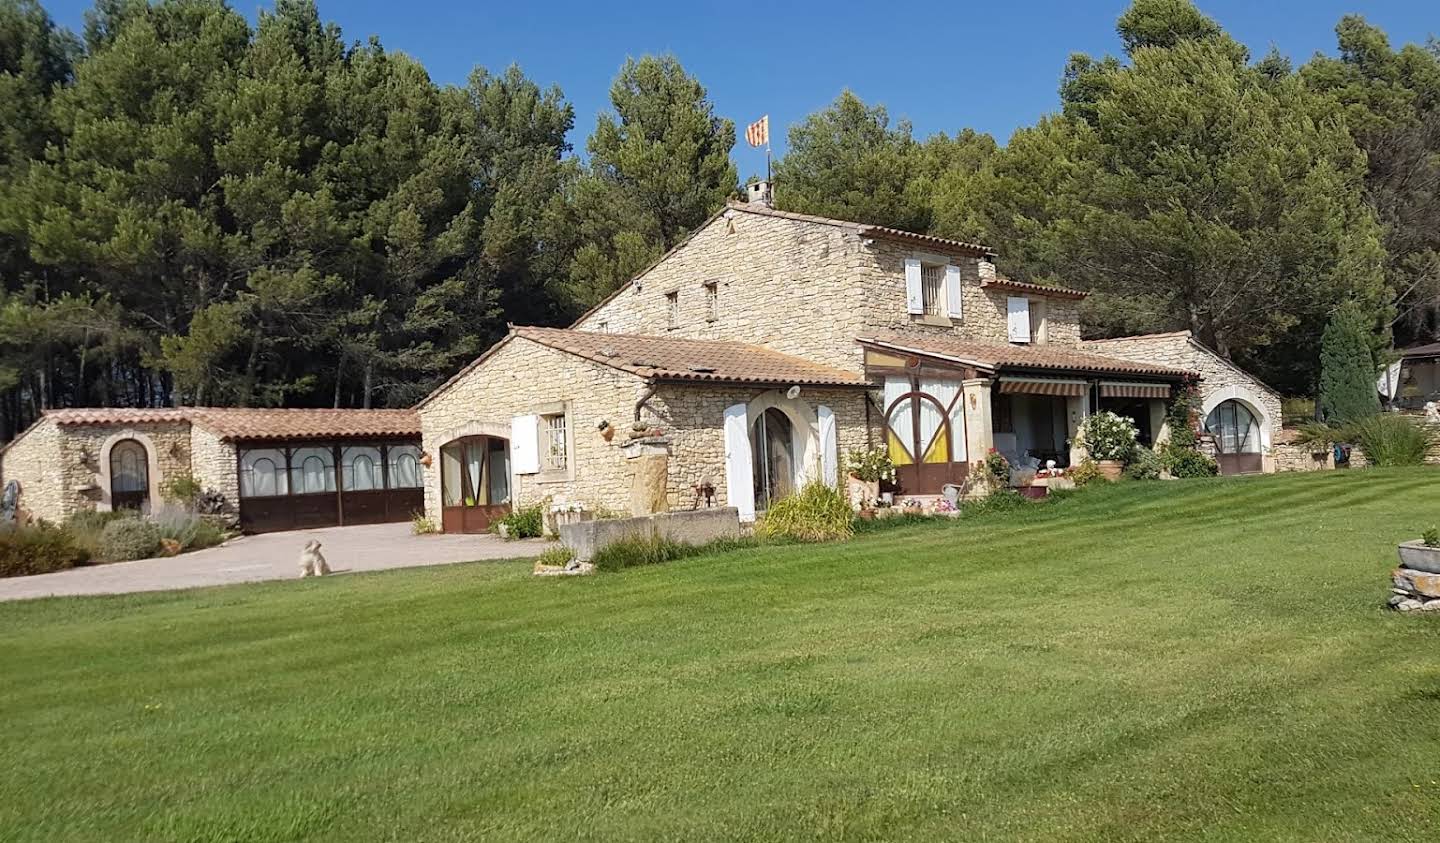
<point>1203,659</point>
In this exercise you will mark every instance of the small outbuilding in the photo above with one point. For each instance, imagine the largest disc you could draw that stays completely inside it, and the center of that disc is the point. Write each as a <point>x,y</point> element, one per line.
<point>272,469</point>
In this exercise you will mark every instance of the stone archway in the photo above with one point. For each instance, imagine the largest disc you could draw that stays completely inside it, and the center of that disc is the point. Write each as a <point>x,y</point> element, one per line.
<point>1252,401</point>
<point>466,511</point>
<point>105,479</point>
<point>804,426</point>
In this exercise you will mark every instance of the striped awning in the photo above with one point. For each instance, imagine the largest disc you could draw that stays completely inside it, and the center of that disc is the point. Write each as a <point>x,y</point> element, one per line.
<point>1043,386</point>
<point>1117,389</point>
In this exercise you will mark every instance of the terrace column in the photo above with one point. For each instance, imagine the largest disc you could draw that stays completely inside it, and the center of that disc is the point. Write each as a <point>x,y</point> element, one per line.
<point>979,426</point>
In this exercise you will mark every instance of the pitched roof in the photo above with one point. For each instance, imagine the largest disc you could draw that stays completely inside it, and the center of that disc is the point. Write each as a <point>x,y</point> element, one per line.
<point>1039,289</point>
<point>1427,350</point>
<point>1160,336</point>
<point>997,357</point>
<point>863,229</point>
<point>675,359</point>
<point>256,422</point>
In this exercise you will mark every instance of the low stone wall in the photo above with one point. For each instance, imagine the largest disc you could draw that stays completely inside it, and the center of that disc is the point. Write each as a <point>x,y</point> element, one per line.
<point>1293,457</point>
<point>699,526</point>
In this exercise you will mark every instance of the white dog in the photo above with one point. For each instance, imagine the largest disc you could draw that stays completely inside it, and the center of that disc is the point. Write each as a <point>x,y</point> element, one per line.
<point>312,561</point>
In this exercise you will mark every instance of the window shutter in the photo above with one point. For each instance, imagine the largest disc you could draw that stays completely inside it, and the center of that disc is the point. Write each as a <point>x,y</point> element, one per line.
<point>739,474</point>
<point>525,444</point>
<point>953,291</point>
<point>829,447</point>
<point>1018,310</point>
<point>914,294</point>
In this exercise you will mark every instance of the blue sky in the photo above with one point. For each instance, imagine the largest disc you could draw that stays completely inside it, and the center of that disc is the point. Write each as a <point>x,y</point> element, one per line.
<point>992,66</point>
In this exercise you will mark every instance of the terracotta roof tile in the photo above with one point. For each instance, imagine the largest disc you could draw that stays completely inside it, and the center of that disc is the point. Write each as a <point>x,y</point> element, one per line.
<point>675,359</point>
<point>997,357</point>
<point>1039,289</point>
<point>257,423</point>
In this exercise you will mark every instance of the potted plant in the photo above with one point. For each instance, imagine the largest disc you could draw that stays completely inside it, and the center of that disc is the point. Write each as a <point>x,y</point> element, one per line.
<point>1422,555</point>
<point>1109,439</point>
<point>866,469</point>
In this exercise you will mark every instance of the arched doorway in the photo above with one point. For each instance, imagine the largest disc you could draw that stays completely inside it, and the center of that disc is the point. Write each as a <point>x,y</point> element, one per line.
<point>474,483</point>
<point>773,455</point>
<point>129,475</point>
<point>1237,437</point>
<point>925,432</point>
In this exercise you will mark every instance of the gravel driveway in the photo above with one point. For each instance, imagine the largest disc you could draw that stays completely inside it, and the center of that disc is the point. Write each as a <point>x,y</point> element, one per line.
<point>272,556</point>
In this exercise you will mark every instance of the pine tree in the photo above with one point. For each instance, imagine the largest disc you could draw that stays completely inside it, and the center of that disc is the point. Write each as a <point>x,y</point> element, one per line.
<point>1347,367</point>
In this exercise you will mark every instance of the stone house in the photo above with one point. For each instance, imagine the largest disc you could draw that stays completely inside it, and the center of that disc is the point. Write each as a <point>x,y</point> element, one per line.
<point>746,361</point>
<point>273,469</point>
<point>758,351</point>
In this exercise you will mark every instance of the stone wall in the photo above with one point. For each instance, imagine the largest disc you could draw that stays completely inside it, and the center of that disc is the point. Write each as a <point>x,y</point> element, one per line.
<point>1291,457</point>
<point>32,459</point>
<point>805,288</point>
<point>1219,378</point>
<point>214,464</point>
<point>520,378</point>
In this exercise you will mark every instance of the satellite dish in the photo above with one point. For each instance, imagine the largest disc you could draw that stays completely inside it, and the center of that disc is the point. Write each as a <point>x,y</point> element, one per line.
<point>792,393</point>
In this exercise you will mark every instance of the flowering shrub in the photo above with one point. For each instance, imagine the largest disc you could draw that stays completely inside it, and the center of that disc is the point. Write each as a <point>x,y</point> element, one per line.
<point>871,465</point>
<point>1107,436</point>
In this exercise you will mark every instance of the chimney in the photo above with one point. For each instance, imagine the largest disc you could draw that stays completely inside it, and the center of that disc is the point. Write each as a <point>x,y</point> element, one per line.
<point>758,192</point>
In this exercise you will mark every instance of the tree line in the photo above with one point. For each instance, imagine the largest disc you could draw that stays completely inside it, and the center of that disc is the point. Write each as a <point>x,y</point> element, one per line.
<point>196,210</point>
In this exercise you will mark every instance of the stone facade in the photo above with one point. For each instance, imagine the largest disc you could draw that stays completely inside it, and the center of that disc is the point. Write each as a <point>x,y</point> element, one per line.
<point>1220,380</point>
<point>65,469</point>
<point>213,461</point>
<point>807,288</point>
<point>522,377</point>
<point>694,418</point>
<point>599,475</point>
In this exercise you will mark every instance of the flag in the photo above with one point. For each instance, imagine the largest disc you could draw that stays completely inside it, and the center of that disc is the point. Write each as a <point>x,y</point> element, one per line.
<point>758,133</point>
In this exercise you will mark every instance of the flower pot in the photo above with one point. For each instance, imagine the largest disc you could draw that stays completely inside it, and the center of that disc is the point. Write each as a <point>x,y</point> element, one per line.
<point>1417,556</point>
<point>862,493</point>
<point>1111,470</point>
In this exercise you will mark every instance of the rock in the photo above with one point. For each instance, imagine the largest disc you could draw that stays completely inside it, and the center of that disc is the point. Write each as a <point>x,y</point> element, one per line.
<point>1395,600</point>
<point>1408,605</point>
<point>572,565</point>
<point>1430,606</point>
<point>169,547</point>
<point>1417,582</point>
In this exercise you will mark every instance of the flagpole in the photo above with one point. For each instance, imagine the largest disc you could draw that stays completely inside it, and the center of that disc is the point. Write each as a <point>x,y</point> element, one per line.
<point>768,179</point>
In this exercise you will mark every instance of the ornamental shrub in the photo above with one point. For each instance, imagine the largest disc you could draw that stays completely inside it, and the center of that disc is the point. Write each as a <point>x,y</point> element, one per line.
<point>1145,464</point>
<point>129,538</point>
<point>556,554</point>
<point>817,513</point>
<point>86,526</point>
<point>1187,462</point>
<point>1085,473</point>
<point>1107,436</point>
<point>633,551</point>
<point>1348,368</point>
<point>526,523</point>
<point>871,465</point>
<point>37,549</point>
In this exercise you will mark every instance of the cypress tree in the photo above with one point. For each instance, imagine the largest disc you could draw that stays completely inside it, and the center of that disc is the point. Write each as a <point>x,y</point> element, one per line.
<point>1347,367</point>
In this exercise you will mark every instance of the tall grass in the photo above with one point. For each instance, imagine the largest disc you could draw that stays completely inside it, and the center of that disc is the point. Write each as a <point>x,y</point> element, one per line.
<point>817,513</point>
<point>1391,440</point>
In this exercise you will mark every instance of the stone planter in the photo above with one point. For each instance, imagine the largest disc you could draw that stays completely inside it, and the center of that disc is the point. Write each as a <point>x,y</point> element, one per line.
<point>1417,557</point>
<point>862,493</point>
<point>1111,470</point>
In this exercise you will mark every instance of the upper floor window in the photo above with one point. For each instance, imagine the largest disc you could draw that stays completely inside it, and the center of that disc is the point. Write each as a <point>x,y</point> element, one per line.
<point>932,288</point>
<point>1039,322</point>
<point>1017,325</point>
<point>672,308</point>
<point>712,301</point>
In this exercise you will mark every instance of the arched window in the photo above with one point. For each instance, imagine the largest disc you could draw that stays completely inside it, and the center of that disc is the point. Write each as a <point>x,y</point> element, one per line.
<point>404,466</point>
<point>360,468</point>
<point>1234,427</point>
<point>129,475</point>
<point>312,470</point>
<point>262,473</point>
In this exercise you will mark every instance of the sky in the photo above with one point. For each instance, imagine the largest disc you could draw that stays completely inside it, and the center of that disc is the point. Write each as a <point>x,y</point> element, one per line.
<point>991,66</point>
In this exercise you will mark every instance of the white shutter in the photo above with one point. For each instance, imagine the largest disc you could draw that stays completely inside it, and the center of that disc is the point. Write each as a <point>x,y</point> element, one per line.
<point>914,293</point>
<point>525,444</point>
<point>829,447</point>
<point>953,291</point>
<point>1018,309</point>
<point>739,474</point>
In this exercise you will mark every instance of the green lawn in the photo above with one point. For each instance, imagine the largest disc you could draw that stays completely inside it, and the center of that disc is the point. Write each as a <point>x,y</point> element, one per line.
<point>1200,659</point>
